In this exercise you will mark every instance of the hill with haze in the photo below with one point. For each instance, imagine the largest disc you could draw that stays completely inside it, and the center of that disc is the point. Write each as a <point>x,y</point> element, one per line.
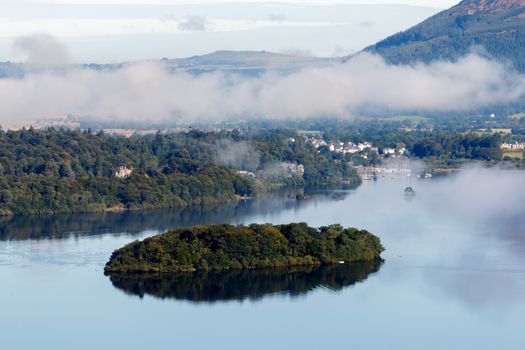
<point>491,27</point>
<point>247,62</point>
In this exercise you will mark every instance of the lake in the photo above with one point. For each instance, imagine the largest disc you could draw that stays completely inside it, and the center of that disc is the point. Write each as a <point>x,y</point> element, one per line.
<point>453,275</point>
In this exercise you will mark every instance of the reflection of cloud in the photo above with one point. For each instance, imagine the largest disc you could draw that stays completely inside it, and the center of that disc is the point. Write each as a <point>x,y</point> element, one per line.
<point>193,23</point>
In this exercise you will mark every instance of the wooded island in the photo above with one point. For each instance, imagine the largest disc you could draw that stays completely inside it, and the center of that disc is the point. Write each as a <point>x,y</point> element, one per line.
<point>222,247</point>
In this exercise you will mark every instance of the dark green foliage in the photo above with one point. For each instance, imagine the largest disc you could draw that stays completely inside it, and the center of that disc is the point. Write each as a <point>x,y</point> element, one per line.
<point>221,247</point>
<point>59,171</point>
<point>456,32</point>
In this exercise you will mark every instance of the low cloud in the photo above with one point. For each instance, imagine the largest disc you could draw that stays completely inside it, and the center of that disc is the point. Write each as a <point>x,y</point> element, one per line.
<point>276,17</point>
<point>243,156</point>
<point>367,24</point>
<point>237,155</point>
<point>148,92</point>
<point>41,49</point>
<point>193,23</point>
<point>341,51</point>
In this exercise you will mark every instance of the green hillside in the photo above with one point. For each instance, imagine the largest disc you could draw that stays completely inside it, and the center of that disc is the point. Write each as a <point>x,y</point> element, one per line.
<point>492,27</point>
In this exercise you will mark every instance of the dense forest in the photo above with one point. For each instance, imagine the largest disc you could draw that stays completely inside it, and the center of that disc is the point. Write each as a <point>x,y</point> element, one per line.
<point>223,247</point>
<point>451,34</point>
<point>62,171</point>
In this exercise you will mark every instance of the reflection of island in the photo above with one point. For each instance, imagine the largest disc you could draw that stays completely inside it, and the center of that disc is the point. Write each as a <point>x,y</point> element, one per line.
<point>134,222</point>
<point>244,284</point>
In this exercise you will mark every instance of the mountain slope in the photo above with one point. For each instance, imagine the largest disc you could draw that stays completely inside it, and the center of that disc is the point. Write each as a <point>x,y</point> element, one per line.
<point>495,27</point>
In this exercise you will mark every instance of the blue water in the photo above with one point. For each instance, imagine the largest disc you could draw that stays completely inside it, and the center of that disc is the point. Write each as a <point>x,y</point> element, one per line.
<point>453,276</point>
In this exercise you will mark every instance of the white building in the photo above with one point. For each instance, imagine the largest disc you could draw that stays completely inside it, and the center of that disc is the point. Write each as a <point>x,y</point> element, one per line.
<point>123,172</point>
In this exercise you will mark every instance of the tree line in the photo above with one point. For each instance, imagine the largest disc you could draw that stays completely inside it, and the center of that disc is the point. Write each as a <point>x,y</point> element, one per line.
<point>72,171</point>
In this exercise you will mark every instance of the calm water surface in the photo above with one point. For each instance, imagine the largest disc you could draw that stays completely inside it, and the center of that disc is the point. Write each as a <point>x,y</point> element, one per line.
<point>453,276</point>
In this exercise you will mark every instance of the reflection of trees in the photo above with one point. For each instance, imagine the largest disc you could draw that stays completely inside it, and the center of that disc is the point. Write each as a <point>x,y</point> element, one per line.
<point>244,284</point>
<point>65,226</point>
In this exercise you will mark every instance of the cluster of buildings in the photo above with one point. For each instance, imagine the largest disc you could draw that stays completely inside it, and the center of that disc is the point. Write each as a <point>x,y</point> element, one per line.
<point>517,146</point>
<point>353,148</point>
<point>343,147</point>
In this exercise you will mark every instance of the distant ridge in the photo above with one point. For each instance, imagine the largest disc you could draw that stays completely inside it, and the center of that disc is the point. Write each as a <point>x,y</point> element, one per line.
<point>242,62</point>
<point>494,27</point>
<point>245,61</point>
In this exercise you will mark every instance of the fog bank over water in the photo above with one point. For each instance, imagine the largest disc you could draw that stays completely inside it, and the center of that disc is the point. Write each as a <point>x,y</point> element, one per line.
<point>481,192</point>
<point>147,92</point>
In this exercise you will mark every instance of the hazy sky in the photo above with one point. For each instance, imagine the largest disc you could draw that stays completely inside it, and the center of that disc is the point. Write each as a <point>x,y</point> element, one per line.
<point>434,3</point>
<point>121,30</point>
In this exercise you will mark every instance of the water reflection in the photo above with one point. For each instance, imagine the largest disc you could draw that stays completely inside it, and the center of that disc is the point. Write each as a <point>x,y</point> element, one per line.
<point>240,285</point>
<point>133,223</point>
